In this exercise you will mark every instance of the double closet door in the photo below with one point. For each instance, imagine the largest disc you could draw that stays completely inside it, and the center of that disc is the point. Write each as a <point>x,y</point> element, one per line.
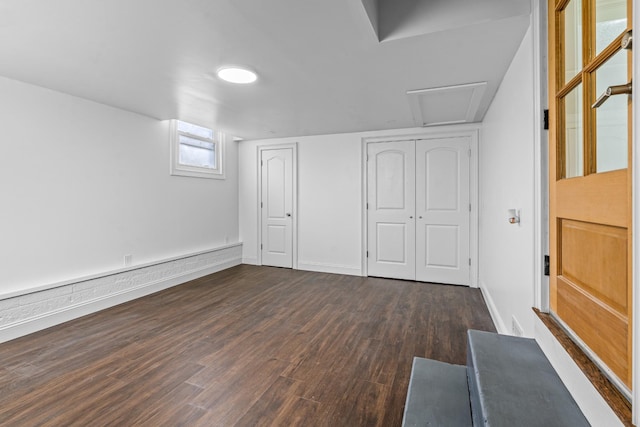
<point>418,210</point>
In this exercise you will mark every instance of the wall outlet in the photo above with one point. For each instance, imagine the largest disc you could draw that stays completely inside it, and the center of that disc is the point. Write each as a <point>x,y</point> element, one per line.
<point>516,329</point>
<point>128,260</point>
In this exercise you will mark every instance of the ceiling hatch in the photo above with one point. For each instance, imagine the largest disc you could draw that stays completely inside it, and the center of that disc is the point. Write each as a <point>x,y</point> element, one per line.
<point>446,105</point>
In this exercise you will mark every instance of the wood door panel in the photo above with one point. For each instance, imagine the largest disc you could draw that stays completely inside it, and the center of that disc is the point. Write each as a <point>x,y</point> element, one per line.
<point>580,311</point>
<point>590,215</point>
<point>597,198</point>
<point>600,271</point>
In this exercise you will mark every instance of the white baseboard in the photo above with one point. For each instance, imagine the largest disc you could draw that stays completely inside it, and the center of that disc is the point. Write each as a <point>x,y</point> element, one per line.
<point>25,314</point>
<point>329,268</point>
<point>592,404</point>
<point>250,260</point>
<point>493,311</point>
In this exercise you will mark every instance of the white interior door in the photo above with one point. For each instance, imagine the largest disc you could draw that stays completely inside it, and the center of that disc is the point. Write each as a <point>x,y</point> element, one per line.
<point>391,209</point>
<point>443,210</point>
<point>277,207</point>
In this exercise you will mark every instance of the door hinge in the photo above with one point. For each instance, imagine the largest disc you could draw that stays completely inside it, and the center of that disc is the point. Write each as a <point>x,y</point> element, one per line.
<point>469,261</point>
<point>469,152</point>
<point>261,163</point>
<point>367,254</point>
<point>261,205</point>
<point>546,265</point>
<point>469,207</point>
<point>546,119</point>
<point>260,246</point>
<point>367,205</point>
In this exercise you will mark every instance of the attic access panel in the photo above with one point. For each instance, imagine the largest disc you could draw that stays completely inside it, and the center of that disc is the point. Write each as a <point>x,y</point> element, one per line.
<point>446,105</point>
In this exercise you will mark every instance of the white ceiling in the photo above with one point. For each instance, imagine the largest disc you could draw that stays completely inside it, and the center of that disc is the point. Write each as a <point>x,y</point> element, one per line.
<point>321,66</point>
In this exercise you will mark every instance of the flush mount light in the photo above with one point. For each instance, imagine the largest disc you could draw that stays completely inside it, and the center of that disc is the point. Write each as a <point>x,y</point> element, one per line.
<point>237,75</point>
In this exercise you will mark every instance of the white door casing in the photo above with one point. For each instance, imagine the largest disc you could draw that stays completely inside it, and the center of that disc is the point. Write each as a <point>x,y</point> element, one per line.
<point>443,210</point>
<point>276,207</point>
<point>391,199</point>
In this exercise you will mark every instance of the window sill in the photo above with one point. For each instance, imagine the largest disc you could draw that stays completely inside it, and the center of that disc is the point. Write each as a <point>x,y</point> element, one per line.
<point>195,174</point>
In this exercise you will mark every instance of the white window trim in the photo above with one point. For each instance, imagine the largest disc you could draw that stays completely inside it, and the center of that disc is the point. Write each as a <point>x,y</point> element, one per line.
<point>178,169</point>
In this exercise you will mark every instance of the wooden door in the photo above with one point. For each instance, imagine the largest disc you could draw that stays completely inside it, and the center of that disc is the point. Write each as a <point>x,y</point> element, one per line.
<point>590,178</point>
<point>443,210</point>
<point>276,205</point>
<point>391,209</point>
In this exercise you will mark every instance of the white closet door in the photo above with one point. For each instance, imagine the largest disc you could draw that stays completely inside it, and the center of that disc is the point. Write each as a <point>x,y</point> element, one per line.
<point>277,207</point>
<point>391,209</point>
<point>442,210</point>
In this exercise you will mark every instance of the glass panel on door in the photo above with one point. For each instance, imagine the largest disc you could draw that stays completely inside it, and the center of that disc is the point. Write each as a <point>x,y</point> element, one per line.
<point>611,21</point>
<point>574,150</point>
<point>611,117</point>
<point>572,39</point>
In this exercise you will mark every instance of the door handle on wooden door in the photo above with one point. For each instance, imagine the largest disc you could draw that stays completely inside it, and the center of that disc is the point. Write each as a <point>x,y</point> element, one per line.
<point>627,40</point>
<point>613,90</point>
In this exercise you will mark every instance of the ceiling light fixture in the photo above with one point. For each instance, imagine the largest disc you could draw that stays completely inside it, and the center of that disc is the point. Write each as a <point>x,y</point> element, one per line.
<point>237,75</point>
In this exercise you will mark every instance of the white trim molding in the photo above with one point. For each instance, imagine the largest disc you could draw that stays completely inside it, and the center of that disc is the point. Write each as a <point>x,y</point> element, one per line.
<point>540,153</point>
<point>498,322</point>
<point>329,268</point>
<point>26,313</point>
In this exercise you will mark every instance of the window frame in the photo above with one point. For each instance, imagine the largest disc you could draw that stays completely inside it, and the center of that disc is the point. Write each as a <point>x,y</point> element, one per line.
<point>178,169</point>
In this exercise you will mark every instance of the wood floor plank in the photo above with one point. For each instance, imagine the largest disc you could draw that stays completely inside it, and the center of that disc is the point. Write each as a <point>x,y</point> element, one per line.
<point>243,347</point>
<point>228,400</point>
<point>281,405</point>
<point>361,405</point>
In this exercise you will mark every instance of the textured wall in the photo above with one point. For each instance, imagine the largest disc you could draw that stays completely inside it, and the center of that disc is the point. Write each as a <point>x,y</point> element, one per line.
<point>21,314</point>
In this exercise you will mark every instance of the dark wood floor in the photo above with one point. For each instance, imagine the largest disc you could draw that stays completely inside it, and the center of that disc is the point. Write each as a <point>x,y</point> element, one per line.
<point>244,347</point>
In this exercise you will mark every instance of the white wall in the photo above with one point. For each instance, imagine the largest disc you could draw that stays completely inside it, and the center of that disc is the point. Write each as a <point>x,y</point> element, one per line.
<point>82,184</point>
<point>329,200</point>
<point>507,181</point>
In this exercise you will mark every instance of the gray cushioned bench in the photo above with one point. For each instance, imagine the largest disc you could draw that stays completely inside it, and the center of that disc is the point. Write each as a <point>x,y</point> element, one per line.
<point>508,382</point>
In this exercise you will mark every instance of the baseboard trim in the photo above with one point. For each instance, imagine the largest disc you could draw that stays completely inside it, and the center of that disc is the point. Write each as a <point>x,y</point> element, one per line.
<point>250,260</point>
<point>117,294</point>
<point>329,268</point>
<point>493,311</point>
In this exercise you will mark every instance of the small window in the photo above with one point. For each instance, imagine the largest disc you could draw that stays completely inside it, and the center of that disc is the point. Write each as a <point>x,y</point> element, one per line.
<point>196,151</point>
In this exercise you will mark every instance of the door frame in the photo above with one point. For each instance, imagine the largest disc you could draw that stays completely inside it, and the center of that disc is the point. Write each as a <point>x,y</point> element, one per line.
<point>470,131</point>
<point>635,221</point>
<point>294,211</point>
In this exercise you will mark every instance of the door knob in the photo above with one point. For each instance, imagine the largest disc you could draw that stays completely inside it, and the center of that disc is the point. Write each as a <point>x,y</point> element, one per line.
<point>613,90</point>
<point>410,217</point>
<point>288,214</point>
